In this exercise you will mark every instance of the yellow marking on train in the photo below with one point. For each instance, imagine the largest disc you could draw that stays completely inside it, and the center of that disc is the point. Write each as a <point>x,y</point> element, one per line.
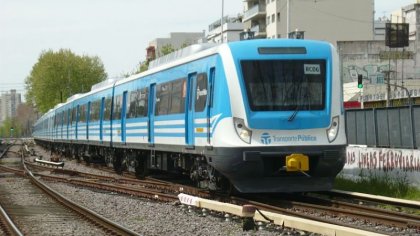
<point>297,162</point>
<point>199,130</point>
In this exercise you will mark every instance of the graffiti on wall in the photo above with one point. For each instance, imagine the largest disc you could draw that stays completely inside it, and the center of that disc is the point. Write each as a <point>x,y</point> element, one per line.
<point>383,159</point>
<point>392,162</point>
<point>375,73</point>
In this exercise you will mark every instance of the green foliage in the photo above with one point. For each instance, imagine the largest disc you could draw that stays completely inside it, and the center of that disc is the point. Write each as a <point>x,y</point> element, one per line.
<point>143,66</point>
<point>397,187</point>
<point>166,49</point>
<point>59,75</point>
<point>5,129</point>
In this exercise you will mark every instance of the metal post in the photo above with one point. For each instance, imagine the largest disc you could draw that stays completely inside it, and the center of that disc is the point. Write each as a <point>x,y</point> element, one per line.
<point>288,18</point>
<point>221,22</point>
<point>388,87</point>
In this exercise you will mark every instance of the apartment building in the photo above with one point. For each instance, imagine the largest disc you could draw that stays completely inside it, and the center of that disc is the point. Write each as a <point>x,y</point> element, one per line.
<point>329,20</point>
<point>9,102</point>
<point>232,28</point>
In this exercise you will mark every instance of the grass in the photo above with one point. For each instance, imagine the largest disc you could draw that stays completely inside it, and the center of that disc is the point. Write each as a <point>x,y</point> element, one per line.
<point>383,185</point>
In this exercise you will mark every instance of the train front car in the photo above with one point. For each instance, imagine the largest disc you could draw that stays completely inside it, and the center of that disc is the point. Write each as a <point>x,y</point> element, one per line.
<point>288,121</point>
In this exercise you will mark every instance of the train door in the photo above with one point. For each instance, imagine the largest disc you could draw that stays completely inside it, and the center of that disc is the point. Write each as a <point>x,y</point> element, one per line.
<point>101,120</point>
<point>123,116</point>
<point>210,103</point>
<point>190,103</point>
<point>151,114</point>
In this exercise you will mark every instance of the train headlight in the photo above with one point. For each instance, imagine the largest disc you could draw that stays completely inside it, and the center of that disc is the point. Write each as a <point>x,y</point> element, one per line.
<point>243,132</point>
<point>332,131</point>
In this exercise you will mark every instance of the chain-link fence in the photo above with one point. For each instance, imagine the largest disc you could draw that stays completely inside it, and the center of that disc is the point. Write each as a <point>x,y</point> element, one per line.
<point>395,127</point>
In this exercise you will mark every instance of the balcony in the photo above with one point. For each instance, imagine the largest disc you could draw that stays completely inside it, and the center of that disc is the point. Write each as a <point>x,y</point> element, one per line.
<point>259,31</point>
<point>257,11</point>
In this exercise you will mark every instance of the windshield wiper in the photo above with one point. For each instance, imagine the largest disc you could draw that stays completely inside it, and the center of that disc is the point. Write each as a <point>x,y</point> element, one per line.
<point>292,117</point>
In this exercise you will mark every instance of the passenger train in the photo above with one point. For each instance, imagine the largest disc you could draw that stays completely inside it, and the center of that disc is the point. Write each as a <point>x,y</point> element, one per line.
<point>256,115</point>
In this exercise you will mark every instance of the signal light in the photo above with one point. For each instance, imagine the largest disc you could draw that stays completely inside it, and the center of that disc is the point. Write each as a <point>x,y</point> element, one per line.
<point>360,81</point>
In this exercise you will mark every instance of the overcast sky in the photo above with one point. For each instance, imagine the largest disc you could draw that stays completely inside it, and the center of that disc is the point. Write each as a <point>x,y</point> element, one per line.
<point>118,31</point>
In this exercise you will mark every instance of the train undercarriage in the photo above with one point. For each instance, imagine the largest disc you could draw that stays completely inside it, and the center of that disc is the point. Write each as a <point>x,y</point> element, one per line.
<point>145,162</point>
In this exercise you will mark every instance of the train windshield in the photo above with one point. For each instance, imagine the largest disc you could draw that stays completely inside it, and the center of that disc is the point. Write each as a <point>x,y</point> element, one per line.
<point>284,85</point>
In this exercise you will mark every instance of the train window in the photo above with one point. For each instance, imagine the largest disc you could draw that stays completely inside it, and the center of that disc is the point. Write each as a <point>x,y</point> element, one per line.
<point>201,92</point>
<point>162,98</point>
<point>178,96</point>
<point>66,117</point>
<point>73,115</point>
<point>137,107</point>
<point>95,109</point>
<point>107,109</point>
<point>63,118</point>
<point>131,106</point>
<point>117,107</point>
<point>274,85</point>
<point>82,113</point>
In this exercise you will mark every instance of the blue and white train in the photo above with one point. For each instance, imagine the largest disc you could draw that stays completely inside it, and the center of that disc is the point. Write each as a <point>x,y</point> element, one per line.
<point>259,115</point>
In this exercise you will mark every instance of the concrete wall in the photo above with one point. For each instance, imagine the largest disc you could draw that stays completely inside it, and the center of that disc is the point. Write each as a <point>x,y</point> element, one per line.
<point>398,164</point>
<point>329,20</point>
<point>362,57</point>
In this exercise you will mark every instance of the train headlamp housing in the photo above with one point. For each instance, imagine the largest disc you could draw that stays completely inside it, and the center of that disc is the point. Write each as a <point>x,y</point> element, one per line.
<point>243,132</point>
<point>332,131</point>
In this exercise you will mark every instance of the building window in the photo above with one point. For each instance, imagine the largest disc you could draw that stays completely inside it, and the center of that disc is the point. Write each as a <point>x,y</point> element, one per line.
<point>278,16</point>
<point>273,18</point>
<point>268,20</point>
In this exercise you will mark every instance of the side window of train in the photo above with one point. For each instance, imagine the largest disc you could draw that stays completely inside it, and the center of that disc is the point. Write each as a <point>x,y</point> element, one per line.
<point>201,94</point>
<point>82,113</point>
<point>137,105</point>
<point>63,118</point>
<point>73,115</point>
<point>117,108</point>
<point>94,111</point>
<point>131,104</point>
<point>178,95</point>
<point>162,98</point>
<point>66,117</point>
<point>142,105</point>
<point>107,109</point>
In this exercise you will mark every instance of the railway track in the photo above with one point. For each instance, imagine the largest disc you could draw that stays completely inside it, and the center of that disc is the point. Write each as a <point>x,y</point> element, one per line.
<point>38,210</point>
<point>337,212</point>
<point>322,209</point>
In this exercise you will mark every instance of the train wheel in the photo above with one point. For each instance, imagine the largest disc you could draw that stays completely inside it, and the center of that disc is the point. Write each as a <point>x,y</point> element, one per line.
<point>141,167</point>
<point>117,162</point>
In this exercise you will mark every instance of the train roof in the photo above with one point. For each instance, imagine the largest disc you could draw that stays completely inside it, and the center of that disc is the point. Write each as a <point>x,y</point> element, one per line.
<point>176,58</point>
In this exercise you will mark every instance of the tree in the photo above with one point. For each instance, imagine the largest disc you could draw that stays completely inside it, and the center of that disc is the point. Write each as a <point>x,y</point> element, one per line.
<point>25,118</point>
<point>59,75</point>
<point>9,128</point>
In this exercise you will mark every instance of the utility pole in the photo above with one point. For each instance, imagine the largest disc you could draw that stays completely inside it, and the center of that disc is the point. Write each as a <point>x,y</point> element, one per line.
<point>221,22</point>
<point>288,18</point>
<point>402,87</point>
